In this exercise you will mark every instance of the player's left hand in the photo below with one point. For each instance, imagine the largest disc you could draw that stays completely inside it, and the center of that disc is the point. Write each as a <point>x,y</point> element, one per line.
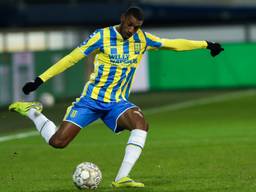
<point>215,48</point>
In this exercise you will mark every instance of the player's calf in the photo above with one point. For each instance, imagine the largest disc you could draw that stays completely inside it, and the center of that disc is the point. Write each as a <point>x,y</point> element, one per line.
<point>64,135</point>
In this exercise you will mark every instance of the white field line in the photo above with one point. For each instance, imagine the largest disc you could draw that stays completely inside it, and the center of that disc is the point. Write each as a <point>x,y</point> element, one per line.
<point>171,107</point>
<point>18,136</point>
<point>201,101</point>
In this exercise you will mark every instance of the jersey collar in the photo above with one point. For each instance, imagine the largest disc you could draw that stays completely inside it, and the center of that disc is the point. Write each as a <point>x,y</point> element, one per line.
<point>120,36</point>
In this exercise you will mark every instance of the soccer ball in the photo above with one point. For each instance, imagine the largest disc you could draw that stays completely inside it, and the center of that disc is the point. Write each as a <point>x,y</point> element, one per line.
<point>87,176</point>
<point>47,99</point>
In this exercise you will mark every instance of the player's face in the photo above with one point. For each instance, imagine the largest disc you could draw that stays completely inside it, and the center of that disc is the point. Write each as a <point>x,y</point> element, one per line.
<point>129,26</point>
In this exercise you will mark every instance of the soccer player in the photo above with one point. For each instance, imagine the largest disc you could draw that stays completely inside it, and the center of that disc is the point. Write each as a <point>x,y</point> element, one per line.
<point>119,50</point>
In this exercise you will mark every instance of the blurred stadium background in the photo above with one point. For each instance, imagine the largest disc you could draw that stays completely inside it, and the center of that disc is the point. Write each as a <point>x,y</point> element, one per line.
<point>35,34</point>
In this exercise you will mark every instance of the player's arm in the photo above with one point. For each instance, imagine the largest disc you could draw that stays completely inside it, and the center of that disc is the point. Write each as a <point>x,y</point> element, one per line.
<point>185,45</point>
<point>154,42</point>
<point>91,44</point>
<point>63,64</point>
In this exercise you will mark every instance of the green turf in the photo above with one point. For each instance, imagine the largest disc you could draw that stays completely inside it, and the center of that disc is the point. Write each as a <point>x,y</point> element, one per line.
<point>56,113</point>
<point>204,148</point>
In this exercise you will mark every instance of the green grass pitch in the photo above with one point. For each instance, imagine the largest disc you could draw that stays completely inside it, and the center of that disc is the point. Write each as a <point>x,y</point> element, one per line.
<point>203,148</point>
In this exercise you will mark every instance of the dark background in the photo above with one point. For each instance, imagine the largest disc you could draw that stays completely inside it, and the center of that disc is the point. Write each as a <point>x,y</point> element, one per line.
<point>45,13</point>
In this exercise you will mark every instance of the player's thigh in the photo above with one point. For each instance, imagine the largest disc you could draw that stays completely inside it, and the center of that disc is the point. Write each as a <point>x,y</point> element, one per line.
<point>132,119</point>
<point>66,133</point>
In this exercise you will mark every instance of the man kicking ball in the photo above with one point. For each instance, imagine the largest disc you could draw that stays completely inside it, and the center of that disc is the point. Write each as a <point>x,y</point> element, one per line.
<point>119,50</point>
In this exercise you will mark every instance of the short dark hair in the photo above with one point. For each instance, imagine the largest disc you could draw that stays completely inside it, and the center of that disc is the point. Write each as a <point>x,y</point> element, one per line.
<point>135,12</point>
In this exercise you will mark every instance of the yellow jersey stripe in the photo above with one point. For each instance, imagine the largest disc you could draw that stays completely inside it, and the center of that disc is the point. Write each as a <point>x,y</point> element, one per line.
<point>119,90</point>
<point>116,88</point>
<point>126,82</point>
<point>93,42</point>
<point>106,40</point>
<point>111,89</point>
<point>116,60</point>
<point>85,88</point>
<point>127,90</point>
<point>91,86</point>
<point>104,72</point>
<point>110,79</point>
<point>113,41</point>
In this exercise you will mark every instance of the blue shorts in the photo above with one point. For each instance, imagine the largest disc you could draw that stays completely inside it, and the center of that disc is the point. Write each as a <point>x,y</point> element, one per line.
<point>86,110</point>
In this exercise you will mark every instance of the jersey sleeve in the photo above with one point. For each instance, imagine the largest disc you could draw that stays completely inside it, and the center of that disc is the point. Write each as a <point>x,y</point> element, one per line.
<point>92,43</point>
<point>63,64</point>
<point>183,44</point>
<point>153,42</point>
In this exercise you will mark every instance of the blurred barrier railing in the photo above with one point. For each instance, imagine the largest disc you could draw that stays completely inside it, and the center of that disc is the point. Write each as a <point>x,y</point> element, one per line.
<point>234,68</point>
<point>159,70</point>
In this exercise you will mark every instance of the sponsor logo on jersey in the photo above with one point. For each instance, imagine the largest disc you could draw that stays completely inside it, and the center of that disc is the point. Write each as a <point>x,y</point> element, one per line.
<point>122,59</point>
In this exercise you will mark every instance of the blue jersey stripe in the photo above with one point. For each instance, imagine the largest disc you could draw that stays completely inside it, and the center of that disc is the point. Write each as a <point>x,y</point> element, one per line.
<point>129,85</point>
<point>136,40</point>
<point>89,89</point>
<point>113,49</point>
<point>110,79</point>
<point>97,80</point>
<point>117,86</point>
<point>96,45</point>
<point>128,79</point>
<point>153,43</point>
<point>115,63</point>
<point>101,41</point>
<point>91,48</point>
<point>126,47</point>
<point>100,72</point>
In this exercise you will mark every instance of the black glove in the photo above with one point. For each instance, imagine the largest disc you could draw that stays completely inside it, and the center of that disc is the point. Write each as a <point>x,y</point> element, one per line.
<point>32,86</point>
<point>214,47</point>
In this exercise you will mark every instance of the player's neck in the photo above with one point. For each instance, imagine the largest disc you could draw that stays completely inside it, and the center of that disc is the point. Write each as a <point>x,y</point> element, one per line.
<point>118,29</point>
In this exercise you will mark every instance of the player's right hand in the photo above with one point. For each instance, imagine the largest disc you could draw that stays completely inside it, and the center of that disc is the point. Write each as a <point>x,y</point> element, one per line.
<point>32,86</point>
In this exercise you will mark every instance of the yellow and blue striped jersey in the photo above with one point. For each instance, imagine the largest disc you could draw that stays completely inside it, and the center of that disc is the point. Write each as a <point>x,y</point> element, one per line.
<point>116,60</point>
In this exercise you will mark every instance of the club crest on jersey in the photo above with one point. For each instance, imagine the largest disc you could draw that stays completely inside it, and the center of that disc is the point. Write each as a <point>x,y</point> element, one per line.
<point>73,113</point>
<point>137,48</point>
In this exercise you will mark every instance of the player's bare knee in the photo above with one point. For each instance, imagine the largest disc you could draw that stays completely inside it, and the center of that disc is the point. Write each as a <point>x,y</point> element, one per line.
<point>140,120</point>
<point>146,126</point>
<point>143,125</point>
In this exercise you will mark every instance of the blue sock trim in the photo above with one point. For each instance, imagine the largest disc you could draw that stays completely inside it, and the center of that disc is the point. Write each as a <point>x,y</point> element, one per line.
<point>135,145</point>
